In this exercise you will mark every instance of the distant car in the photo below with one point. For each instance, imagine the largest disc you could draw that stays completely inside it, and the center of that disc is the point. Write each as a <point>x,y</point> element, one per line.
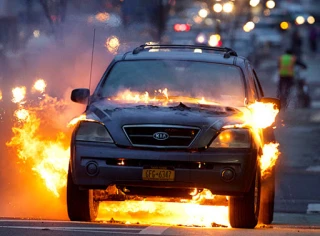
<point>148,132</point>
<point>179,30</point>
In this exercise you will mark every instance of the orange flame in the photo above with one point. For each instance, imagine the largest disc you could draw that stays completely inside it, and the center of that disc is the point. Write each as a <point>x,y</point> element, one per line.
<point>19,94</point>
<point>0,95</point>
<point>262,115</point>
<point>21,114</point>
<point>160,95</point>
<point>269,157</point>
<point>74,121</point>
<point>40,85</point>
<point>167,213</point>
<point>49,158</point>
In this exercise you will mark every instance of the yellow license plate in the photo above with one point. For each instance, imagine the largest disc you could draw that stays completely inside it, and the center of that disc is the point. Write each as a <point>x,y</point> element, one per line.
<point>158,174</point>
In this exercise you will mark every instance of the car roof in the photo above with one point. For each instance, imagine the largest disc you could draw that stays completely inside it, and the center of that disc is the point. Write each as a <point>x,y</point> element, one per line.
<point>184,53</point>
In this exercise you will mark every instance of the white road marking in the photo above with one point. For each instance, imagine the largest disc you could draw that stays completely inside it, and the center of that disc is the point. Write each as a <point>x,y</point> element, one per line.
<point>315,104</point>
<point>313,208</point>
<point>156,230</point>
<point>78,229</point>
<point>315,117</point>
<point>313,168</point>
<point>43,221</point>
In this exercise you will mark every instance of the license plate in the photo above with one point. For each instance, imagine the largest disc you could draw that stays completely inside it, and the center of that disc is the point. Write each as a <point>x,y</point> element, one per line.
<point>158,174</point>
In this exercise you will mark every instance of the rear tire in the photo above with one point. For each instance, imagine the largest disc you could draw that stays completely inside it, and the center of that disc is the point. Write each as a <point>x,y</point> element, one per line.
<point>244,211</point>
<point>80,203</point>
<point>267,199</point>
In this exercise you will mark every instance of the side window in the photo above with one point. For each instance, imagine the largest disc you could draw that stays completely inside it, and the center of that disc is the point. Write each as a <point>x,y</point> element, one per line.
<point>258,85</point>
<point>255,83</point>
<point>253,95</point>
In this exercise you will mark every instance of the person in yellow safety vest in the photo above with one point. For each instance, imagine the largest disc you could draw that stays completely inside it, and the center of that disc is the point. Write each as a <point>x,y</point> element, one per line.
<point>286,64</point>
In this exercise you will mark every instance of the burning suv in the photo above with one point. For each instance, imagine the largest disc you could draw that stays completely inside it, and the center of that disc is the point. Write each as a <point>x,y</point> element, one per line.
<point>167,121</point>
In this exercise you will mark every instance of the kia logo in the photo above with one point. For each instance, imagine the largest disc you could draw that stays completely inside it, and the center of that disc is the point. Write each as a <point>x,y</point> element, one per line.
<point>160,136</point>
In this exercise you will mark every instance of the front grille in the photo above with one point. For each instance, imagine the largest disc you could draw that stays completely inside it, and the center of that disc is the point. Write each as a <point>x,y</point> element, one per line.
<point>170,136</point>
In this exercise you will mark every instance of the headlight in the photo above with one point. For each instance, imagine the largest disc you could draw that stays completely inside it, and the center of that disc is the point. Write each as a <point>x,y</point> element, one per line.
<point>93,132</point>
<point>232,138</point>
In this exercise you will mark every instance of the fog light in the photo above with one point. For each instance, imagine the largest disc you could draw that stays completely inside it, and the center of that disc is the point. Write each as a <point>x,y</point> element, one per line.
<point>92,168</point>
<point>228,174</point>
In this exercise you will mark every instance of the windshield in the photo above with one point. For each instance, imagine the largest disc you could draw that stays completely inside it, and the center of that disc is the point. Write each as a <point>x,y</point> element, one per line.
<point>174,81</point>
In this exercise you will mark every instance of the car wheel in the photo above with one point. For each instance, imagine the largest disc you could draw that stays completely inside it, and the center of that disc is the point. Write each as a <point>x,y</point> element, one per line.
<point>267,199</point>
<point>80,203</point>
<point>244,211</point>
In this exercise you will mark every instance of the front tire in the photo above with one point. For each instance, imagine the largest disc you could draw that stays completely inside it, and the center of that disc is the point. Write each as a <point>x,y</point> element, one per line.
<point>267,199</point>
<point>80,203</point>
<point>244,211</point>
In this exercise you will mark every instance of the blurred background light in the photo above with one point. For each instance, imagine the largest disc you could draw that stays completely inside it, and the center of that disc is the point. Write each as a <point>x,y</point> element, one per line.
<point>266,12</point>
<point>228,7</point>
<point>36,33</point>
<point>270,4</point>
<point>208,21</point>
<point>284,25</point>
<point>300,20</point>
<point>215,40</point>
<point>311,20</point>
<point>248,26</point>
<point>217,7</point>
<point>256,19</point>
<point>203,13</point>
<point>201,38</point>
<point>254,3</point>
<point>251,25</point>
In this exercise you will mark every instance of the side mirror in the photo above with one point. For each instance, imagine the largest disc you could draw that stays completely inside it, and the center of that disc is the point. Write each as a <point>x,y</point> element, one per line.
<point>275,101</point>
<point>80,95</point>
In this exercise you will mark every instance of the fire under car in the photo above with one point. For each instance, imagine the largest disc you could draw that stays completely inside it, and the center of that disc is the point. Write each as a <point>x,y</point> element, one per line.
<point>161,124</point>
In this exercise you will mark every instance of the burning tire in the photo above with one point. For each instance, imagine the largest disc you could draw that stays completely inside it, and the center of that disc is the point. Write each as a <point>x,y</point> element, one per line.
<point>80,203</point>
<point>244,211</point>
<point>267,199</point>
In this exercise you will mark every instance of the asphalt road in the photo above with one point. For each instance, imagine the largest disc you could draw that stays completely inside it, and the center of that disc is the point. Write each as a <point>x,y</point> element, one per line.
<point>57,228</point>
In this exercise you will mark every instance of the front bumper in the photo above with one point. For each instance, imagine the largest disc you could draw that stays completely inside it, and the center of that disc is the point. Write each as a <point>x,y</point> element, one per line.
<point>192,169</point>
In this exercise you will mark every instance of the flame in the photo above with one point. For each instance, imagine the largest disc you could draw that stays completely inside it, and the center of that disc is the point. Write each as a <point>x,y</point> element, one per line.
<point>19,94</point>
<point>137,97</point>
<point>21,114</point>
<point>47,154</point>
<point>49,157</point>
<point>40,85</point>
<point>262,115</point>
<point>74,121</point>
<point>0,95</point>
<point>160,96</point>
<point>269,158</point>
<point>167,213</point>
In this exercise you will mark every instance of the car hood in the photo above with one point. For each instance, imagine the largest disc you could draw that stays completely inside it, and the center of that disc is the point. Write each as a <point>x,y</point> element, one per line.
<point>209,119</point>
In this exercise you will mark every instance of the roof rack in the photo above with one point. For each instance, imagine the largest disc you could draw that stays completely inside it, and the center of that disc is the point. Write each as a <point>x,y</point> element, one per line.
<point>228,51</point>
